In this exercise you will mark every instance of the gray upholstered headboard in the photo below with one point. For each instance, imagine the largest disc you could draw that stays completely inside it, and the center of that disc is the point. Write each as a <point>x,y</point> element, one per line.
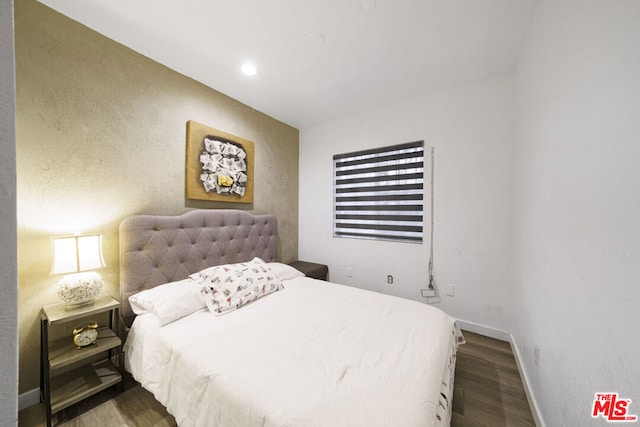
<point>161,249</point>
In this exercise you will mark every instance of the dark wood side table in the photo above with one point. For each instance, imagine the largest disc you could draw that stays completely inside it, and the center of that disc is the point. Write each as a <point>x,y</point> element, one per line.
<point>311,269</point>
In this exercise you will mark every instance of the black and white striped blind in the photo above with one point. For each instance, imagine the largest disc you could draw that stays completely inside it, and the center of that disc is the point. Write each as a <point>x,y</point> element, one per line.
<point>378,193</point>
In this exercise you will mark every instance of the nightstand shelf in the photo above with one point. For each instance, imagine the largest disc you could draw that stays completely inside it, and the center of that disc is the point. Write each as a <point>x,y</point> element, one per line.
<point>76,385</point>
<point>69,374</point>
<point>311,269</point>
<point>62,354</point>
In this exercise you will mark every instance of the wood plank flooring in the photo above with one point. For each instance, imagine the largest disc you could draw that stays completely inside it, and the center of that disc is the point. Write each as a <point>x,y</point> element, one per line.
<point>488,392</point>
<point>136,407</point>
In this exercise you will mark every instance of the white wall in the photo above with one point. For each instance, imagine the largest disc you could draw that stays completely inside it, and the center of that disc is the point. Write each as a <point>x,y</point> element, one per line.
<point>471,130</point>
<point>577,206</point>
<point>8,270</point>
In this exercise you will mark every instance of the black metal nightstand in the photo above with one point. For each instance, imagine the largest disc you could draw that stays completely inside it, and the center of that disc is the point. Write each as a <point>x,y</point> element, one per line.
<point>311,269</point>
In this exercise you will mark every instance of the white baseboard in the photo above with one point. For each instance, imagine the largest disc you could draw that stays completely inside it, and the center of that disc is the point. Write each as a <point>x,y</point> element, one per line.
<point>28,398</point>
<point>533,403</point>
<point>484,330</point>
<point>506,336</point>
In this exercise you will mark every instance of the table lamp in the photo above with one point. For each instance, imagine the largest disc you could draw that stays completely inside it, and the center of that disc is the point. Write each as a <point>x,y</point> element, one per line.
<point>78,254</point>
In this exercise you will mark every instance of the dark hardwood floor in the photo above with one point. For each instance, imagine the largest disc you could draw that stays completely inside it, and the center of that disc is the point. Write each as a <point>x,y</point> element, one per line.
<point>488,392</point>
<point>136,407</point>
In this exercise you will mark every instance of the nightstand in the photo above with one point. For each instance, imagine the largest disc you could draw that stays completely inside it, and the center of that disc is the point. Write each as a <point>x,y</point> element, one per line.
<point>69,374</point>
<point>311,269</point>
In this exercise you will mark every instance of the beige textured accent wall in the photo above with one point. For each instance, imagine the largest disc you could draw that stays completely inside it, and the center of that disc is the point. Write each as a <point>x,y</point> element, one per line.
<point>100,136</point>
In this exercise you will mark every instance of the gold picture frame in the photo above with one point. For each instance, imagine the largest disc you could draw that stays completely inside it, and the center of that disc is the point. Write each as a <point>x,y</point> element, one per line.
<point>219,165</point>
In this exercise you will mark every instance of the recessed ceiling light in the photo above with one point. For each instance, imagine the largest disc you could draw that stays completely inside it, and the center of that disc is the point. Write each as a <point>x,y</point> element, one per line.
<point>316,39</point>
<point>249,69</point>
<point>367,6</point>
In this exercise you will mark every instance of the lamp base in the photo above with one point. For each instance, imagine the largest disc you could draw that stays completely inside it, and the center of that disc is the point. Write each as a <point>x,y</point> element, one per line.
<point>79,289</point>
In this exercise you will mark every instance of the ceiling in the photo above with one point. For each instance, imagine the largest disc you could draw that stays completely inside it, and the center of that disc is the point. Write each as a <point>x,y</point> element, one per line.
<point>317,59</point>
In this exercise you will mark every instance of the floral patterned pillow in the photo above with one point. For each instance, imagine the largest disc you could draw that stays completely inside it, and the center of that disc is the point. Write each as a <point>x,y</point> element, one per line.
<point>230,286</point>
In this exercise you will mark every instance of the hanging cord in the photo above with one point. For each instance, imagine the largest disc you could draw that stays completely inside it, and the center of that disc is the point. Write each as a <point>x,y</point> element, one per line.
<point>431,279</point>
<point>431,293</point>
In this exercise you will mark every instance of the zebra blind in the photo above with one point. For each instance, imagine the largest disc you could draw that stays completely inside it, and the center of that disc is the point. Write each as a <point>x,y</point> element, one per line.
<point>378,193</point>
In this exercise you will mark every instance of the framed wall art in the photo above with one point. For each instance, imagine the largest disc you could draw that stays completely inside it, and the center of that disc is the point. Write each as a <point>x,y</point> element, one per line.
<point>219,166</point>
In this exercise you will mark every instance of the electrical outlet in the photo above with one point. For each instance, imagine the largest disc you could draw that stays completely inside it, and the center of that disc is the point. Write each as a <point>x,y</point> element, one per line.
<point>389,279</point>
<point>451,290</point>
<point>536,356</point>
<point>349,272</point>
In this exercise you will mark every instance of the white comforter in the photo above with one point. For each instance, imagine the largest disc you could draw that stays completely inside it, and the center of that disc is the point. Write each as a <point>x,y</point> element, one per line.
<point>312,354</point>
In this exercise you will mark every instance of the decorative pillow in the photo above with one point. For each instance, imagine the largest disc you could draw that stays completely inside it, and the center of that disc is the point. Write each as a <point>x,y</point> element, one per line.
<point>206,274</point>
<point>284,271</point>
<point>228,287</point>
<point>169,302</point>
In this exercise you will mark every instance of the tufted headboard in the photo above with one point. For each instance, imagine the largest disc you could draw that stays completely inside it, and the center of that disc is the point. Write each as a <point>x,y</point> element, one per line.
<point>161,249</point>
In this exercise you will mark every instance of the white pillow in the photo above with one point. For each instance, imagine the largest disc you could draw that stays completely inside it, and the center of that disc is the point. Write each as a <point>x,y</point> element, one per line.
<point>284,271</point>
<point>169,302</point>
<point>230,286</point>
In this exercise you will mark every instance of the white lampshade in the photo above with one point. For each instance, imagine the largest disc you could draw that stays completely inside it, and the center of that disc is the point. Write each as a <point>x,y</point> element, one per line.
<point>73,254</point>
<point>78,254</point>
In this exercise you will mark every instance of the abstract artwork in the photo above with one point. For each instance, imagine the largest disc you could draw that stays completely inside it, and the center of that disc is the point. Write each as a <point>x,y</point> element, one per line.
<point>219,165</point>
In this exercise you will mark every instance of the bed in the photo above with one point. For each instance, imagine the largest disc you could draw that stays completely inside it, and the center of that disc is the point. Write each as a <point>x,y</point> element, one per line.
<point>309,353</point>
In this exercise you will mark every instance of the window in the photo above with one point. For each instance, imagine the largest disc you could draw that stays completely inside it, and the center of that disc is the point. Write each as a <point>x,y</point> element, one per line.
<point>378,193</point>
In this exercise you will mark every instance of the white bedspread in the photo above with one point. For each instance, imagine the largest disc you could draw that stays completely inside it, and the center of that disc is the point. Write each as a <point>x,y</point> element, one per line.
<point>312,354</point>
